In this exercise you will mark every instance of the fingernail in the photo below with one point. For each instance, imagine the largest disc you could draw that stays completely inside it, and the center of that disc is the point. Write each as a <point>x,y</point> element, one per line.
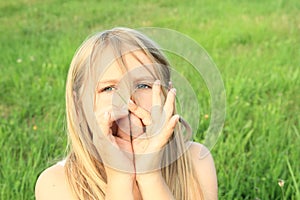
<point>106,115</point>
<point>177,118</point>
<point>170,85</point>
<point>130,102</point>
<point>157,82</point>
<point>173,90</point>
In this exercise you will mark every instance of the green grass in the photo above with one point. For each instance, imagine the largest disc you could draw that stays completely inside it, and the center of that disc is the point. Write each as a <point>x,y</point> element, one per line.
<point>255,44</point>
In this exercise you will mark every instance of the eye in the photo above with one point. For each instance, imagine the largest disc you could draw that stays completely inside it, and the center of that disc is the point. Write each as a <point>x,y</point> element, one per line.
<point>108,89</point>
<point>143,86</point>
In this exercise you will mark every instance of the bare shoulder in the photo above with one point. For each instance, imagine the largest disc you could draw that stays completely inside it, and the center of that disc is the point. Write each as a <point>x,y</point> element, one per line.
<point>200,152</point>
<point>52,184</point>
<point>203,163</point>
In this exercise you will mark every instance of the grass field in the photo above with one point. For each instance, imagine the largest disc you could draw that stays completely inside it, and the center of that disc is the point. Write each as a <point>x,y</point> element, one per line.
<point>255,44</point>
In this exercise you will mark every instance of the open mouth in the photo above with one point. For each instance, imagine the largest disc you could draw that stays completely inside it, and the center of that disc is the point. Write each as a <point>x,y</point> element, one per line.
<point>128,128</point>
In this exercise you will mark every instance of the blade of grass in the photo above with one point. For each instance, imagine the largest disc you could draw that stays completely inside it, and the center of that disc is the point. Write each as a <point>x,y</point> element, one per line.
<point>293,178</point>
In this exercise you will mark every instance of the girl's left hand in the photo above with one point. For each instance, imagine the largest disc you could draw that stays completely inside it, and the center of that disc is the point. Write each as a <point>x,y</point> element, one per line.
<point>160,123</point>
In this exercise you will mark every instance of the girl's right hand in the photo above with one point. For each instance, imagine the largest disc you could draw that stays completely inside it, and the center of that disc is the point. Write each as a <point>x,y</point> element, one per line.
<point>116,153</point>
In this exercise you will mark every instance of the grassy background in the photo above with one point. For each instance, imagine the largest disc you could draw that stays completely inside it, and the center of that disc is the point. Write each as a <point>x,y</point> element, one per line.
<point>255,44</point>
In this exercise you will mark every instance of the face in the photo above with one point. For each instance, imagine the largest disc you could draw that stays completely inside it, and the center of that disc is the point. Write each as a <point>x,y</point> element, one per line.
<point>117,85</point>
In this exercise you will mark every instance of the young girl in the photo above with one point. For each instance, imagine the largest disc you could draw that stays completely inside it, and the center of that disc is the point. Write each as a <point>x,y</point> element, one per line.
<point>125,139</point>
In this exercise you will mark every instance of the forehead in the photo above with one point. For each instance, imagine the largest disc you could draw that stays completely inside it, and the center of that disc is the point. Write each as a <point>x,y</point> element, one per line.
<point>136,63</point>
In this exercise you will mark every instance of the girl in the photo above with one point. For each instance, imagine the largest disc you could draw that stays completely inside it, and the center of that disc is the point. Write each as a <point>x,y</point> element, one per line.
<point>125,139</point>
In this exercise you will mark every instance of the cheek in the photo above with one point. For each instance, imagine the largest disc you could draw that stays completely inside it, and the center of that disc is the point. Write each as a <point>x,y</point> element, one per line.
<point>102,103</point>
<point>144,99</point>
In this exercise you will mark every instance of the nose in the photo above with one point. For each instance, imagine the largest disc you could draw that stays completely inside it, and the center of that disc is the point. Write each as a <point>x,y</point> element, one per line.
<point>119,104</point>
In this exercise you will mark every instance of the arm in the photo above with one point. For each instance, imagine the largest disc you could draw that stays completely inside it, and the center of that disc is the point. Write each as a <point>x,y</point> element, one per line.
<point>119,185</point>
<point>160,127</point>
<point>205,170</point>
<point>153,186</point>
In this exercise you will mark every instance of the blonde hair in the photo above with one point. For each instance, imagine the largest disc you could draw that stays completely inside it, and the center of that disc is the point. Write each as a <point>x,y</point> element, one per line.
<point>84,169</point>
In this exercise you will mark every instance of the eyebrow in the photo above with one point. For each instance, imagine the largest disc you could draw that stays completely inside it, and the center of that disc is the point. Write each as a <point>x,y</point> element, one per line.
<point>143,78</point>
<point>109,81</point>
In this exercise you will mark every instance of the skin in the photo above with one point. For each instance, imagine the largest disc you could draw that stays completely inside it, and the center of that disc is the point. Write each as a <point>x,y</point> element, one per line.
<point>149,116</point>
<point>141,114</point>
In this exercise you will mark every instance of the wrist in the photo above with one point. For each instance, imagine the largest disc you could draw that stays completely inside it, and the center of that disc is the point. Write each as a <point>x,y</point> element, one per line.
<point>121,182</point>
<point>118,175</point>
<point>149,178</point>
<point>154,181</point>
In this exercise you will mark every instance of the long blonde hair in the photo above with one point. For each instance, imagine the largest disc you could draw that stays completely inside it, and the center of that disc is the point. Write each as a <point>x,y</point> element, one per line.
<point>84,169</point>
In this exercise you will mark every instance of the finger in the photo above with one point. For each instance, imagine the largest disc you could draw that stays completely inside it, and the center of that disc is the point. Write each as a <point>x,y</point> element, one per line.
<point>170,85</point>
<point>170,103</point>
<point>156,90</point>
<point>141,113</point>
<point>169,129</point>
<point>156,100</point>
<point>104,138</point>
<point>105,123</point>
